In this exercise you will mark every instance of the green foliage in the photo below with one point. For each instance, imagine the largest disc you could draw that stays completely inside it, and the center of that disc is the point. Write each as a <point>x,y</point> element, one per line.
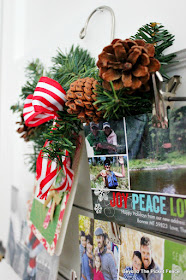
<point>64,136</point>
<point>69,67</point>
<point>66,69</point>
<point>154,33</point>
<point>16,107</point>
<point>33,71</point>
<point>117,104</point>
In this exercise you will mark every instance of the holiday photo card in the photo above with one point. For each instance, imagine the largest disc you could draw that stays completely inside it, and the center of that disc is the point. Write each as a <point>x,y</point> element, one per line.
<point>144,256</point>
<point>99,255</point>
<point>141,255</point>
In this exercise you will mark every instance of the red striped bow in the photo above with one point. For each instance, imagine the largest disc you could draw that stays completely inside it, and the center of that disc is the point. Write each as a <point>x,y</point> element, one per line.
<point>42,106</point>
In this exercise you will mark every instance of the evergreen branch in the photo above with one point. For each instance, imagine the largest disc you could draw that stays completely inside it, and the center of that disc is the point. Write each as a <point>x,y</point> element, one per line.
<point>154,33</point>
<point>117,104</point>
<point>72,66</point>
<point>64,136</point>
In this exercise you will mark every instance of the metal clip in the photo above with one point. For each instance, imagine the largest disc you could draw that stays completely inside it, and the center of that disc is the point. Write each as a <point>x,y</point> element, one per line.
<point>101,8</point>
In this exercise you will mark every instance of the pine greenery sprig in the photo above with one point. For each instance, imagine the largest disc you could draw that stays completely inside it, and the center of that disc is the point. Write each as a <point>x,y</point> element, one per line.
<point>154,33</point>
<point>117,104</point>
<point>69,67</point>
<point>64,135</point>
<point>77,63</point>
<point>33,72</point>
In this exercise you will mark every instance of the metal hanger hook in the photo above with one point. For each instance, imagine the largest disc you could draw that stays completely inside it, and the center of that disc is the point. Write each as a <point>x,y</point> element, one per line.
<point>101,8</point>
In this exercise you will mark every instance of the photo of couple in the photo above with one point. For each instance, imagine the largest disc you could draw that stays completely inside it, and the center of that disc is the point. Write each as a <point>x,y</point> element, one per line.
<point>105,138</point>
<point>141,256</point>
<point>99,256</point>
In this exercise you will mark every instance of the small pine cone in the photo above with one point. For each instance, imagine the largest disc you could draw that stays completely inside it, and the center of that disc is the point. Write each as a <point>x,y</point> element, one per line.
<point>128,64</point>
<point>25,131</point>
<point>81,97</point>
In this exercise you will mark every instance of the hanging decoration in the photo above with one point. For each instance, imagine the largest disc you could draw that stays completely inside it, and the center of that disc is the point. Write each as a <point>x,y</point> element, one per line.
<point>121,86</point>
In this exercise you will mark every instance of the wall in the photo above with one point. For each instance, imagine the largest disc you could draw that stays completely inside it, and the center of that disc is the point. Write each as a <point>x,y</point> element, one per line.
<point>35,29</point>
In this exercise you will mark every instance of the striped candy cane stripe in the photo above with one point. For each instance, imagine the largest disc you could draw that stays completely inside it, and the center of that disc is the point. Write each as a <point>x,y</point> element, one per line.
<point>69,174</point>
<point>47,172</point>
<point>33,118</point>
<point>49,97</point>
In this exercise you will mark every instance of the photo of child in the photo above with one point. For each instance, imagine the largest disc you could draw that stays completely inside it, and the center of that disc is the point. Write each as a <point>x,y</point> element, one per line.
<point>97,273</point>
<point>105,138</point>
<point>109,172</point>
<point>82,246</point>
<point>87,259</point>
<point>141,256</point>
<point>100,258</point>
<point>134,272</point>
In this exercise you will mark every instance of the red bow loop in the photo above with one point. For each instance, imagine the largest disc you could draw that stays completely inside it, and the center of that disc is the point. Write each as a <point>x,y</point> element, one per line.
<point>48,98</point>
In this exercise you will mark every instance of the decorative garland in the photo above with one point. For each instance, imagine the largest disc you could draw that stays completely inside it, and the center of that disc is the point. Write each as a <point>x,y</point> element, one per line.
<point>121,86</point>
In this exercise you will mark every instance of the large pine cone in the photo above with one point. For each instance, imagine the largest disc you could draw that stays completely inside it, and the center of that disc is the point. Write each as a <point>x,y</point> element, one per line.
<point>81,97</point>
<point>127,64</point>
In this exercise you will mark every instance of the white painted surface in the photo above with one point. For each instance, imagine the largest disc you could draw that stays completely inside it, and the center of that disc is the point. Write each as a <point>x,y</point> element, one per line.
<point>35,29</point>
<point>7,272</point>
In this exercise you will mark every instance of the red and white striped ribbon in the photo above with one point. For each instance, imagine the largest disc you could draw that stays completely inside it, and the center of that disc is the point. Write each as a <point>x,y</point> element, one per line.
<point>42,106</point>
<point>69,174</point>
<point>47,172</point>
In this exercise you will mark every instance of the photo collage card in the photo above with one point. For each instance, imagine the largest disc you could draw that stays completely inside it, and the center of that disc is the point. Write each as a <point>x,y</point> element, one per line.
<point>107,155</point>
<point>138,170</point>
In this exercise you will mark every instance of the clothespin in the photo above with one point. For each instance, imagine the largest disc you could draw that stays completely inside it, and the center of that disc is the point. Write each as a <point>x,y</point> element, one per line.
<point>73,275</point>
<point>161,98</point>
<point>114,233</point>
